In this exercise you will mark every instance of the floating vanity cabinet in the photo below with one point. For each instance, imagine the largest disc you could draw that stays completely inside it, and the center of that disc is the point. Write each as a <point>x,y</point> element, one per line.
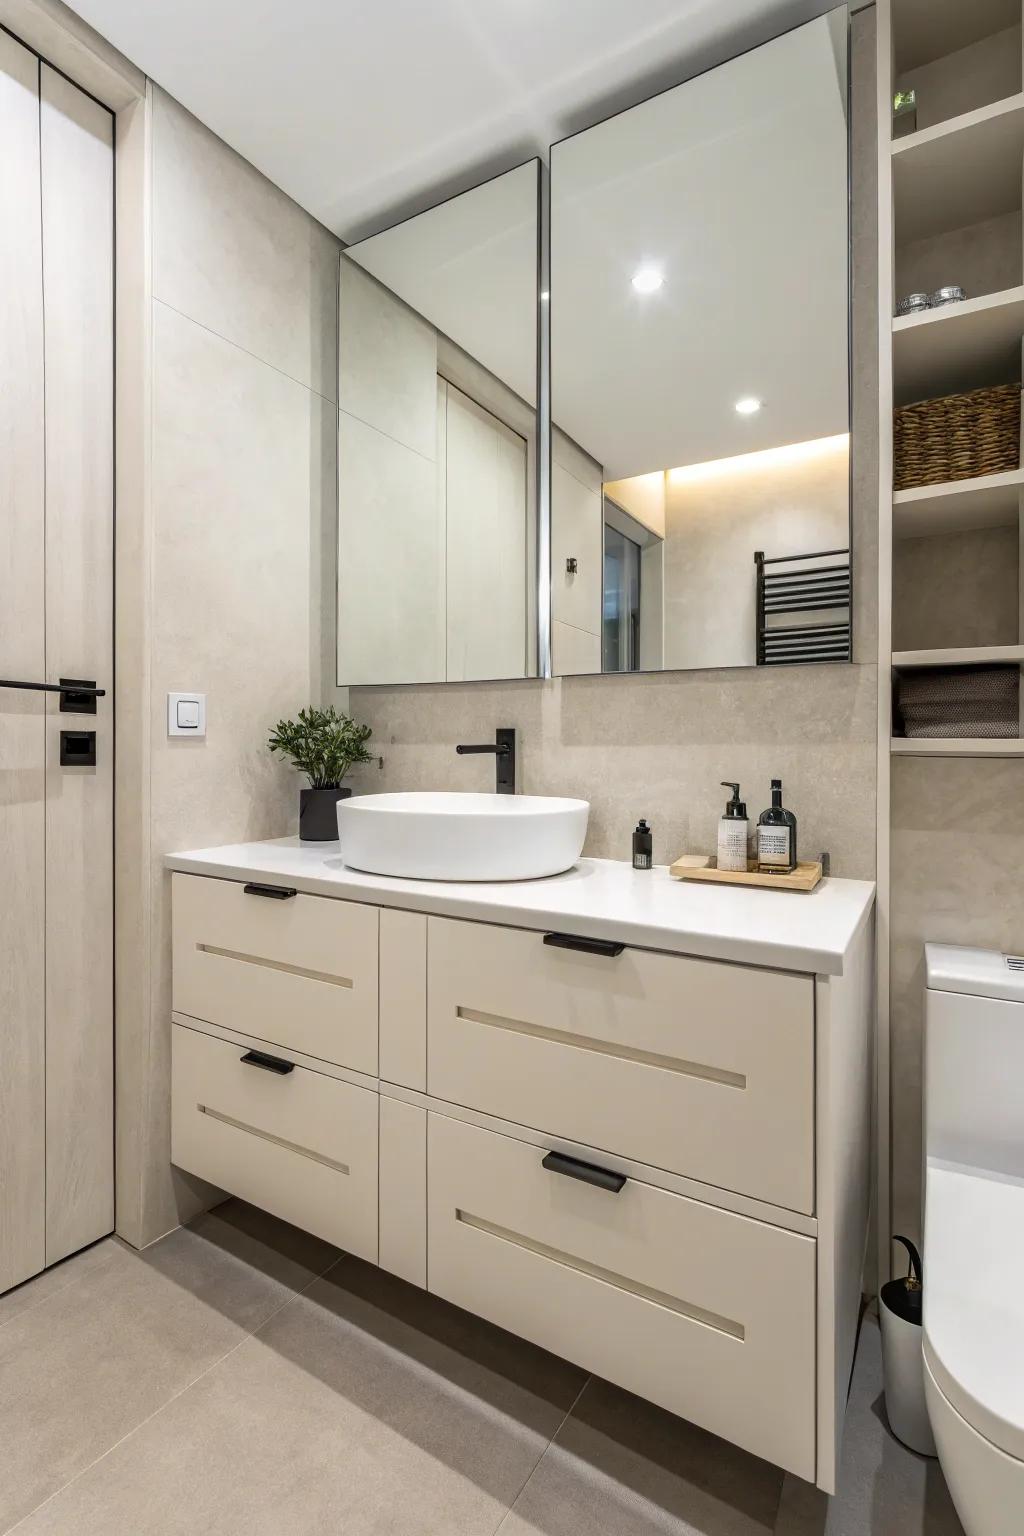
<point>625,1118</point>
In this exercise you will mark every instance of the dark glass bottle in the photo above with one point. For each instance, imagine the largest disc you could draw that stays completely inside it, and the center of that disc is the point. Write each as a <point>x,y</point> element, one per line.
<point>776,836</point>
<point>643,847</point>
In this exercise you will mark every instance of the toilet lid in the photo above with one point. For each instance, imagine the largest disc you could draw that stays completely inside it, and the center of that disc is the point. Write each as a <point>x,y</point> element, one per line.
<point>974,1298</point>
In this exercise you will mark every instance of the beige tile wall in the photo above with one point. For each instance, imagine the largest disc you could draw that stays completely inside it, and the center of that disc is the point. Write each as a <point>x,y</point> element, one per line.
<point>957,856</point>
<point>243,465</point>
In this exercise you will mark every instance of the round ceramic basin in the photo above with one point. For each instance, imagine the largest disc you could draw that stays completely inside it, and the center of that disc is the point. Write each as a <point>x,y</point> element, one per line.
<point>462,837</point>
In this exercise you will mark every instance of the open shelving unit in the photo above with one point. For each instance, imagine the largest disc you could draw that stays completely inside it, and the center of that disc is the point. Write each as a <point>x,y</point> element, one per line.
<point>951,555</point>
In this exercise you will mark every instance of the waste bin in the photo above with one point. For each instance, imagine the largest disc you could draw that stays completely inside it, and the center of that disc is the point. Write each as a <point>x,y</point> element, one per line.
<point>900,1306</point>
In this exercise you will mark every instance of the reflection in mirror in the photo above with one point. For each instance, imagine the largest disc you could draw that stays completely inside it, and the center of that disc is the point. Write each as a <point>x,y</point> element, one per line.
<point>700,400</point>
<point>437,445</point>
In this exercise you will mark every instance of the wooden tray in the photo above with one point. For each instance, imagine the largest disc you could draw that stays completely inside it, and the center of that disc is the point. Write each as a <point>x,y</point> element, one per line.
<point>804,878</point>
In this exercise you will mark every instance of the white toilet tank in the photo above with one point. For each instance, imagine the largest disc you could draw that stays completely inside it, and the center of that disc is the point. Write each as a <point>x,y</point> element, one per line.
<point>974,1058</point>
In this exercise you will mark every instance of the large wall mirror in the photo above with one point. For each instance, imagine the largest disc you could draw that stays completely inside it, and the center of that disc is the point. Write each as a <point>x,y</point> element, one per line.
<point>700,509</point>
<point>437,450</point>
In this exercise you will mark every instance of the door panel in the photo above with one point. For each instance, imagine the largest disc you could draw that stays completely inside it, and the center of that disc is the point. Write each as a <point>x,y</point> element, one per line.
<point>22,656</point>
<point>485,508</point>
<point>78,222</point>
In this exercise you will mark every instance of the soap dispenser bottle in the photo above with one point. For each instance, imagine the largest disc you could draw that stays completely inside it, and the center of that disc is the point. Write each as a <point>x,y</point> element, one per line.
<point>776,836</point>
<point>733,832</point>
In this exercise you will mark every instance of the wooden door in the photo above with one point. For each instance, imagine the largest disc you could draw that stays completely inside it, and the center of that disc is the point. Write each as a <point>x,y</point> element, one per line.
<point>22,655</point>
<point>56,618</point>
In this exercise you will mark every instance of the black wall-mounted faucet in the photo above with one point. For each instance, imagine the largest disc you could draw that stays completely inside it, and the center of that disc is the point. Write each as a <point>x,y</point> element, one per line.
<point>504,749</point>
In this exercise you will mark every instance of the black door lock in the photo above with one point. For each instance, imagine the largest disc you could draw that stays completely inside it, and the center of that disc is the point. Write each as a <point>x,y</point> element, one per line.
<point>78,749</point>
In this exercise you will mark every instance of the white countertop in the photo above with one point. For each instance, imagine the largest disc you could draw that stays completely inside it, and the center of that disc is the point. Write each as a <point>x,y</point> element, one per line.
<point>602,898</point>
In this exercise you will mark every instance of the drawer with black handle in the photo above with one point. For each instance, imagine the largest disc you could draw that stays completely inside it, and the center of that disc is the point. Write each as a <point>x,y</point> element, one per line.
<point>295,1142</point>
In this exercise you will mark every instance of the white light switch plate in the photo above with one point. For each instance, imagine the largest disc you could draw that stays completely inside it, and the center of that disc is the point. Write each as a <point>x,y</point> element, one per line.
<point>186,714</point>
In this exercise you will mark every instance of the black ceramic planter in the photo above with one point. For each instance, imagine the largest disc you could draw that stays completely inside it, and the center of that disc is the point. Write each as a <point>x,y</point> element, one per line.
<point>318,814</point>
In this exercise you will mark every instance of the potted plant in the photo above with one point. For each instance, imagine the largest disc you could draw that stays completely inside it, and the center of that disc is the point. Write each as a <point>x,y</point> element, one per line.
<point>323,745</point>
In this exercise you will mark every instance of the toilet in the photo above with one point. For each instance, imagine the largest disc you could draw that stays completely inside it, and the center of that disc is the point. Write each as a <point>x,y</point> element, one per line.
<point>974,1231</point>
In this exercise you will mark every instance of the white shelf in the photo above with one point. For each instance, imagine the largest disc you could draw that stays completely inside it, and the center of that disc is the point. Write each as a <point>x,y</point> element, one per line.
<point>941,746</point>
<point>958,506</point>
<point>959,172</point>
<point>960,346</point>
<point>924,30</point>
<point>960,656</point>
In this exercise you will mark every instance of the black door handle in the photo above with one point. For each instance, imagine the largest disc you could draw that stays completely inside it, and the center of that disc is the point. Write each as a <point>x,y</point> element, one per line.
<point>587,1173</point>
<point>77,696</point>
<point>610,947</point>
<point>267,1063</point>
<point>273,892</point>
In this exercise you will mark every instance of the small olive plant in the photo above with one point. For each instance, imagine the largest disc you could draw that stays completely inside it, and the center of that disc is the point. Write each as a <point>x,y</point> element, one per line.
<point>322,744</point>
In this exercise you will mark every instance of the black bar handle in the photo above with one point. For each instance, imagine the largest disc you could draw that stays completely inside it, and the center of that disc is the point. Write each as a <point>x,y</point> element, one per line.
<point>502,749</point>
<point>268,1063</point>
<point>273,892</point>
<point>93,693</point>
<point>609,947</point>
<point>587,1173</point>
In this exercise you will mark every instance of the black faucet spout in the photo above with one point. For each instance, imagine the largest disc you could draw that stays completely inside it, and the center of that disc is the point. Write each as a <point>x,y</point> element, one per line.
<point>503,749</point>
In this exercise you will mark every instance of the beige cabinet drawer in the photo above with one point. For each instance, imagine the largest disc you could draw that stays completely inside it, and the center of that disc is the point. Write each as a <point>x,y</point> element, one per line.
<point>300,972</point>
<point>707,1313</point>
<point>297,1143</point>
<point>696,1066</point>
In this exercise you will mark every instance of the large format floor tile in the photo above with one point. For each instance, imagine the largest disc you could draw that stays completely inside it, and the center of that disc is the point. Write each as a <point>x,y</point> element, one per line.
<point>241,1377</point>
<point>68,1272</point>
<point>363,1406</point>
<point>621,1467</point>
<point>95,1358</point>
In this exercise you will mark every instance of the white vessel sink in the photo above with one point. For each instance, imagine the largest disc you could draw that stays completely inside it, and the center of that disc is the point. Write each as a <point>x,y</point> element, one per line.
<point>462,837</point>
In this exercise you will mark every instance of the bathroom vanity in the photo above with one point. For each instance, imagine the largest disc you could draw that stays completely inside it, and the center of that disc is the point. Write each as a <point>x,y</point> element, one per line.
<point>623,1117</point>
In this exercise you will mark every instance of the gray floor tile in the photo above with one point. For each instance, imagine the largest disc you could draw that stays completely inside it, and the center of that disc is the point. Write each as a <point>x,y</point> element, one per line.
<point>621,1467</point>
<point>42,1287</point>
<point>883,1487</point>
<point>88,1364</point>
<point>363,1406</point>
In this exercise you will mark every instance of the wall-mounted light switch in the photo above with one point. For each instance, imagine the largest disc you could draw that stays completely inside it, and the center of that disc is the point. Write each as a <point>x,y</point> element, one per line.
<point>186,714</point>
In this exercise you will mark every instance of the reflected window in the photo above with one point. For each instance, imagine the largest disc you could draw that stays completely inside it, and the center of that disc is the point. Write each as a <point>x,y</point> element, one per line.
<point>620,630</point>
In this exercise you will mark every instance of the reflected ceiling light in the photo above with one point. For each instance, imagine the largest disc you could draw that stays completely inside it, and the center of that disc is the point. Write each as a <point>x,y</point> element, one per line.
<point>647,279</point>
<point>748,406</point>
<point>544,297</point>
<point>763,459</point>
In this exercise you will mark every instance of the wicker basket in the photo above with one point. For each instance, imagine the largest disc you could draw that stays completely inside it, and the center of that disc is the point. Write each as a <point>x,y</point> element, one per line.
<point>957,437</point>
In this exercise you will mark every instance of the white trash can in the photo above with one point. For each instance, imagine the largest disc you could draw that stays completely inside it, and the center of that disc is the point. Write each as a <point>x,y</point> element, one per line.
<point>900,1305</point>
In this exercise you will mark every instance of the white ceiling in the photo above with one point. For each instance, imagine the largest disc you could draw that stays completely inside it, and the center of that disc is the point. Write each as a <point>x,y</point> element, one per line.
<point>734,187</point>
<point>366,109</point>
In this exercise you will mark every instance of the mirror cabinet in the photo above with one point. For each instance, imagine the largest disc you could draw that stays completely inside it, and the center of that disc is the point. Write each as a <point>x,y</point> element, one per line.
<point>697,509</point>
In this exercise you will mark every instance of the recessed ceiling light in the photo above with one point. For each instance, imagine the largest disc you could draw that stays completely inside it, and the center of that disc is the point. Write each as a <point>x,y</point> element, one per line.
<point>748,406</point>
<point>647,279</point>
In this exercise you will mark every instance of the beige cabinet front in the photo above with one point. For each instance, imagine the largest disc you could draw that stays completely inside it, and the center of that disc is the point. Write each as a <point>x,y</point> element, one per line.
<point>702,1068</point>
<point>297,1143</point>
<point>298,971</point>
<point>707,1313</point>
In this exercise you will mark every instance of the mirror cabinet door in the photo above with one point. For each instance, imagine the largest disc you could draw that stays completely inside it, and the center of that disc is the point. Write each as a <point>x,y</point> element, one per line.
<point>437,447</point>
<point>700,509</point>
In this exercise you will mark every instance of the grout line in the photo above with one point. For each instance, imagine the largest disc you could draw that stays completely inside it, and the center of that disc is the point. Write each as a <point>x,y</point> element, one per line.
<point>214,1364</point>
<point>561,1425</point>
<point>239,348</point>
